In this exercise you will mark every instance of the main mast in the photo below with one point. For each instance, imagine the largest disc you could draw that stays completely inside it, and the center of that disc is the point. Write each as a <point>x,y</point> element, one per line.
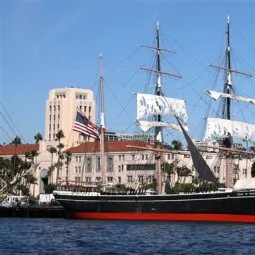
<point>226,139</point>
<point>228,84</point>
<point>158,90</point>
<point>102,122</point>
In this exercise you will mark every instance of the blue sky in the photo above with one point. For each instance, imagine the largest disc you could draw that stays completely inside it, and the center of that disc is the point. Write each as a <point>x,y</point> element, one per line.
<point>48,44</point>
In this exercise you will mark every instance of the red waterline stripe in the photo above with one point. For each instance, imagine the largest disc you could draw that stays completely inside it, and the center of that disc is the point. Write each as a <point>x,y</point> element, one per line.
<point>166,217</point>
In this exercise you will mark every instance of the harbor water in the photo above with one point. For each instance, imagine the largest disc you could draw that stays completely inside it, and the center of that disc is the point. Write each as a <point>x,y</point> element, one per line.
<point>65,236</point>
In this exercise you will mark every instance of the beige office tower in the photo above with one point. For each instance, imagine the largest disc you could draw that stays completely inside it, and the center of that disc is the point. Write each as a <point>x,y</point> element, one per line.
<point>61,108</point>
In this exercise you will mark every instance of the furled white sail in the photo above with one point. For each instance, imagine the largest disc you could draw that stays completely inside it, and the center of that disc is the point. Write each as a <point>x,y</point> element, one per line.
<point>217,128</point>
<point>146,125</point>
<point>148,105</point>
<point>216,95</point>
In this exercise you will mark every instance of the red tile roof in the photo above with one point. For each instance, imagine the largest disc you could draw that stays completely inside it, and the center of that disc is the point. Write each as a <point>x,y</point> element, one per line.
<point>20,149</point>
<point>110,146</point>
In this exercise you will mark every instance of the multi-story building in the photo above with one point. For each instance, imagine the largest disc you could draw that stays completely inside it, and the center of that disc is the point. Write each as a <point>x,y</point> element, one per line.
<point>61,108</point>
<point>124,163</point>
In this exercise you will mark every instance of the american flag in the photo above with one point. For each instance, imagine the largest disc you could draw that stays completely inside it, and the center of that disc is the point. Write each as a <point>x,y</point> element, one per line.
<point>83,125</point>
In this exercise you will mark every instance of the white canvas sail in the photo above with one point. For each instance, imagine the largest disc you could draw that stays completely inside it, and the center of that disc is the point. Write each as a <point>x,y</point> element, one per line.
<point>146,125</point>
<point>148,105</point>
<point>217,128</point>
<point>216,95</point>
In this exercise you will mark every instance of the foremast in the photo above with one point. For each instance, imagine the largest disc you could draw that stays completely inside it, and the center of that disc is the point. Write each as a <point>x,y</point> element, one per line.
<point>158,117</point>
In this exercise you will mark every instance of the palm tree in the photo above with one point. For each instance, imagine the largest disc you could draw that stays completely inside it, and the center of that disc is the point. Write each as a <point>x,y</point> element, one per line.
<point>16,141</point>
<point>177,145</point>
<point>68,156</point>
<point>38,138</point>
<point>33,157</point>
<point>52,150</point>
<point>183,171</point>
<point>60,146</point>
<point>169,169</point>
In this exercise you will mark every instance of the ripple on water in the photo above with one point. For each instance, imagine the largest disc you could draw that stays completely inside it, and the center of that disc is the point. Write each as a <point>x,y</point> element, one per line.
<point>60,236</point>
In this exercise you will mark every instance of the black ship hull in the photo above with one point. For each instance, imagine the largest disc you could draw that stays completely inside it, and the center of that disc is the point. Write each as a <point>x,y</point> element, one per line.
<point>221,207</point>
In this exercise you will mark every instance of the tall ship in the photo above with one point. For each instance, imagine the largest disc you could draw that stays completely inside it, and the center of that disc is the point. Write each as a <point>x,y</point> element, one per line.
<point>237,204</point>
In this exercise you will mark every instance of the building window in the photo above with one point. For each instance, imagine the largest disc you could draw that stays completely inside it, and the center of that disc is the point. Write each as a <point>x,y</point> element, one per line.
<point>50,108</point>
<point>54,108</point>
<point>119,179</point>
<point>133,157</point>
<point>141,167</point>
<point>98,179</point>
<point>98,165</point>
<point>88,179</point>
<point>130,178</point>
<point>89,164</point>
<point>85,109</point>
<point>49,136</point>
<point>58,107</point>
<point>109,164</point>
<point>109,179</point>
<point>77,179</point>
<point>119,168</point>
<point>89,109</point>
<point>140,178</point>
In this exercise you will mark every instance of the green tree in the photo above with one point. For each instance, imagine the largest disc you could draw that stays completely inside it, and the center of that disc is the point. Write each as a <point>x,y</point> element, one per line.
<point>52,150</point>
<point>183,171</point>
<point>59,136</point>
<point>177,145</point>
<point>38,137</point>
<point>14,172</point>
<point>169,169</point>
<point>16,141</point>
<point>68,157</point>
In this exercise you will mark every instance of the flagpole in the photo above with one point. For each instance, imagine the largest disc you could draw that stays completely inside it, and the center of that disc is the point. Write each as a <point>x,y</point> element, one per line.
<point>84,161</point>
